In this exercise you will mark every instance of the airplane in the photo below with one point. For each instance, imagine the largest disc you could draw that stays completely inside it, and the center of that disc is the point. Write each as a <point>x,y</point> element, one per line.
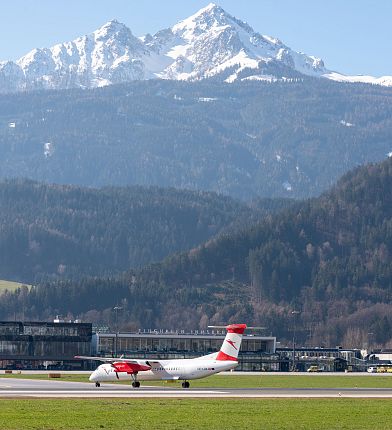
<point>135,370</point>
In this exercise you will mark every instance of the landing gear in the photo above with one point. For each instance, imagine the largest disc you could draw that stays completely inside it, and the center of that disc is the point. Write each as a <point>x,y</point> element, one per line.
<point>97,384</point>
<point>185,384</point>
<point>135,382</point>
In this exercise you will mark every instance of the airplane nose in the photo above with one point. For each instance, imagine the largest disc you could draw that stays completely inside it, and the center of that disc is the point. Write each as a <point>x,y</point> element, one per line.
<point>93,377</point>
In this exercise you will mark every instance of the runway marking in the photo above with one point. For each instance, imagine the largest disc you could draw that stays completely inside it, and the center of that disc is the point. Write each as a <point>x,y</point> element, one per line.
<point>186,394</point>
<point>58,389</point>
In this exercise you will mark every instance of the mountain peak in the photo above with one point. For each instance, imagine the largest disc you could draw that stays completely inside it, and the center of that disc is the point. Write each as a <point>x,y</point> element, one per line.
<point>210,9</point>
<point>205,17</point>
<point>211,18</point>
<point>111,28</point>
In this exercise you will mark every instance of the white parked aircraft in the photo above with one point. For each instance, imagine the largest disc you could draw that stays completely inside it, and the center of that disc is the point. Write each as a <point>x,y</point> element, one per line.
<point>136,370</point>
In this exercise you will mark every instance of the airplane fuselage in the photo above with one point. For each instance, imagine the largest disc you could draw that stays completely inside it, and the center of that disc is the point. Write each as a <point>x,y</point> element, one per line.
<point>169,370</point>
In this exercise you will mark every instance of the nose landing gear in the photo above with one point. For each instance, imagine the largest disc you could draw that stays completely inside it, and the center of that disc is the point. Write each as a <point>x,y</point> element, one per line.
<point>185,384</point>
<point>97,384</point>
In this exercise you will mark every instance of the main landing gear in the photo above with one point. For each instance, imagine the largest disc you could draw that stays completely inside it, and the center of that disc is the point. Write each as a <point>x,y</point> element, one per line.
<point>135,382</point>
<point>185,384</point>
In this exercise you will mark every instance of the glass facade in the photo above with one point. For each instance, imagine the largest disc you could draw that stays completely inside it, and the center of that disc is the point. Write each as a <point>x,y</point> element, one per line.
<point>134,343</point>
<point>49,341</point>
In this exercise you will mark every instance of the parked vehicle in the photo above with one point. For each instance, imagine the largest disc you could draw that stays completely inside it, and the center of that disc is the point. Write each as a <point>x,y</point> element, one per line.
<point>385,368</point>
<point>314,369</point>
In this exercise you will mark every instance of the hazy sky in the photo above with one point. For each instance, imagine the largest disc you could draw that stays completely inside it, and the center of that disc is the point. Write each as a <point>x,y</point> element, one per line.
<point>351,36</point>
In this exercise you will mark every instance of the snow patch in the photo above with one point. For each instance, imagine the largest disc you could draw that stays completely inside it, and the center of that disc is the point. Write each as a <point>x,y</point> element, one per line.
<point>347,124</point>
<point>48,149</point>
<point>207,99</point>
<point>383,80</point>
<point>266,78</point>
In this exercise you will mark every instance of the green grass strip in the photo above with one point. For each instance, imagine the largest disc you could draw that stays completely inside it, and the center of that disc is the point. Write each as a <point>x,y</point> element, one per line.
<point>173,414</point>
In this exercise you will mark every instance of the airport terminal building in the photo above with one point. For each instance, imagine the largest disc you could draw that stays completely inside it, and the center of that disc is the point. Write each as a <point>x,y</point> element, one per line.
<point>257,352</point>
<point>53,345</point>
<point>39,345</point>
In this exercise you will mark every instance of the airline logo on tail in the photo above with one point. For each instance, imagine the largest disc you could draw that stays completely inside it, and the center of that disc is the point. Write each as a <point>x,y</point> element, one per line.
<point>231,343</point>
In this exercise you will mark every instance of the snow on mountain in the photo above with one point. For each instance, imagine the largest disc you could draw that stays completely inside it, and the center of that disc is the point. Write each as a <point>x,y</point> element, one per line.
<point>383,80</point>
<point>11,77</point>
<point>210,43</point>
<point>110,54</point>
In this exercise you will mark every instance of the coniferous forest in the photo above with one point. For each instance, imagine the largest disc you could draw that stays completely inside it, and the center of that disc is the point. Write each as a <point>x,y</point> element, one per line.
<point>328,257</point>
<point>54,231</point>
<point>245,139</point>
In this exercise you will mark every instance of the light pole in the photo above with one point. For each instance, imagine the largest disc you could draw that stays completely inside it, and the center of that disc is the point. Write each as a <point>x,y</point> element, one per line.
<point>116,309</point>
<point>369,343</point>
<point>294,313</point>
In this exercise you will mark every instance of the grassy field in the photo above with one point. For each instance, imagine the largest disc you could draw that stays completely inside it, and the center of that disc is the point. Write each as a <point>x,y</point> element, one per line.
<point>9,285</point>
<point>173,414</point>
<point>250,381</point>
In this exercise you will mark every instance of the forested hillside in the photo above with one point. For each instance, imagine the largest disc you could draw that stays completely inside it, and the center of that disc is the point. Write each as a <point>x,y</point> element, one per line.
<point>53,231</point>
<point>329,258</point>
<point>246,139</point>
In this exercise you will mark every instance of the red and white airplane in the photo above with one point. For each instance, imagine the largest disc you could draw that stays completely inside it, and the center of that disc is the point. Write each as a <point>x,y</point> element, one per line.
<point>136,370</point>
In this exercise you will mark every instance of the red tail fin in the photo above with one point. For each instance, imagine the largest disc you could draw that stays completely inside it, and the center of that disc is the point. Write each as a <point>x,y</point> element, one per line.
<point>232,343</point>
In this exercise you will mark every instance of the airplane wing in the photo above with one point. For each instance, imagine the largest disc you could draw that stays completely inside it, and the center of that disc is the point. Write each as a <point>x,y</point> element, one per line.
<point>127,365</point>
<point>108,360</point>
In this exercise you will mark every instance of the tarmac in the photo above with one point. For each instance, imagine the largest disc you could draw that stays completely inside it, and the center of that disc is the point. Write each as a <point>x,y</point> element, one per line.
<point>28,388</point>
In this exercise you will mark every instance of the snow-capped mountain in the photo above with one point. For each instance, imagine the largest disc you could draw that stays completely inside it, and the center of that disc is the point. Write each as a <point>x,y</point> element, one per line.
<point>110,54</point>
<point>210,43</point>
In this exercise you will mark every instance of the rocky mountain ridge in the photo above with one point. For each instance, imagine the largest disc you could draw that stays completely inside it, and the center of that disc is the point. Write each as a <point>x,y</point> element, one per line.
<point>210,43</point>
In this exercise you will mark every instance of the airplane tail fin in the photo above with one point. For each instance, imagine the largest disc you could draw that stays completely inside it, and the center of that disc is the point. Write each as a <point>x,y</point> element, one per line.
<point>232,343</point>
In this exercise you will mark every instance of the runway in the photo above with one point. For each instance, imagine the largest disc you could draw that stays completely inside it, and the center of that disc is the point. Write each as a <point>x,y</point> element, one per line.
<point>27,388</point>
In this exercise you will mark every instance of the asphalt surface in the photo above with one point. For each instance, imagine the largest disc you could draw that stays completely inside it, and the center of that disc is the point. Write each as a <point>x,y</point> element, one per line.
<point>237,373</point>
<point>16,388</point>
